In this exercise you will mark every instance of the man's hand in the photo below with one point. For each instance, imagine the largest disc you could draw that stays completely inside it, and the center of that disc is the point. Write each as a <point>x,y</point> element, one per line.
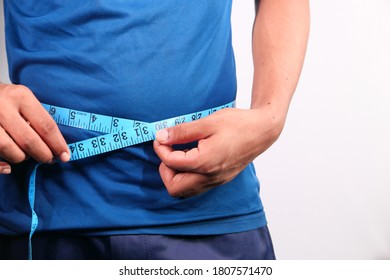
<point>231,138</point>
<point>228,141</point>
<point>26,129</point>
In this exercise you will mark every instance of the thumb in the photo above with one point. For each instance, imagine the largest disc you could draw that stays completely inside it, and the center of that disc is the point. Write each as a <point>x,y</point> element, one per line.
<point>184,133</point>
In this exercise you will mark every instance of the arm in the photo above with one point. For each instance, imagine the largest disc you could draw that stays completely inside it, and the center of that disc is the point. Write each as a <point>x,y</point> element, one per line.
<point>280,36</point>
<point>227,139</point>
<point>26,129</point>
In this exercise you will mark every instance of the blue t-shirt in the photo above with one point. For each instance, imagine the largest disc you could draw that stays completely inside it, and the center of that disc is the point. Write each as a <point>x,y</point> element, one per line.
<point>137,59</point>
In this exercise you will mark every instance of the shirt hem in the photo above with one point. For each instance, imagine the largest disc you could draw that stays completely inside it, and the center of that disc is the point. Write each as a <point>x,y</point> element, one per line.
<point>211,227</point>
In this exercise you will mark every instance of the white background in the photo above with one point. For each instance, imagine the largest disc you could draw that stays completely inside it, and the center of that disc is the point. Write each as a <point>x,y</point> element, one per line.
<point>325,183</point>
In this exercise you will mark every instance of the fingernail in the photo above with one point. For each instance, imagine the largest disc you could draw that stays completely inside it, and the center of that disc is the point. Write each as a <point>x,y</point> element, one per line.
<point>162,135</point>
<point>5,170</point>
<point>64,157</point>
<point>53,160</point>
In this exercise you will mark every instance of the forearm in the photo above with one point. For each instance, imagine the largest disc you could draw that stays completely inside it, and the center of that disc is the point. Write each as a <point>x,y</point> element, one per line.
<point>230,139</point>
<point>280,36</point>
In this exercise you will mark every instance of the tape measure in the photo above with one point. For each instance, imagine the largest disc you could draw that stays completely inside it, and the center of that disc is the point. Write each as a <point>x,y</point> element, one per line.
<point>118,133</point>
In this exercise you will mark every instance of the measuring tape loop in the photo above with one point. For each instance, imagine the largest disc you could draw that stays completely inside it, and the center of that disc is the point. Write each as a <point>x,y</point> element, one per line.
<point>31,200</point>
<point>119,133</point>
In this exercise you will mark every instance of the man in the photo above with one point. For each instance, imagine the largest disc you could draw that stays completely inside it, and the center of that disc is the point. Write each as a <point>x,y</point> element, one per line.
<point>144,61</point>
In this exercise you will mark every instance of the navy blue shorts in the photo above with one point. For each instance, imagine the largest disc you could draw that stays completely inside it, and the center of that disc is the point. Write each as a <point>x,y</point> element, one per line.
<point>249,245</point>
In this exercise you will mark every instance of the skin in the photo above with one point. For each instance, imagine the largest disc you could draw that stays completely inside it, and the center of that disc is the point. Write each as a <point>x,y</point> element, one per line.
<point>27,130</point>
<point>232,138</point>
<point>228,140</point>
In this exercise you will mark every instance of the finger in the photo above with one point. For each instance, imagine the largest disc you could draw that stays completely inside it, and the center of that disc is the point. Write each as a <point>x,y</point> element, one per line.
<point>46,128</point>
<point>188,160</point>
<point>183,184</point>
<point>185,133</point>
<point>9,150</point>
<point>27,139</point>
<point>5,168</point>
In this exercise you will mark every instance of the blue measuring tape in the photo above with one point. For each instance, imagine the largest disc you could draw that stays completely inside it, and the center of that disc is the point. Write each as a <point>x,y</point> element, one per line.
<point>119,133</point>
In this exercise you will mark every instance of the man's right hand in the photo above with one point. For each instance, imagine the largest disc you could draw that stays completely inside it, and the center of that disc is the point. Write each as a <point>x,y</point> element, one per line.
<point>27,130</point>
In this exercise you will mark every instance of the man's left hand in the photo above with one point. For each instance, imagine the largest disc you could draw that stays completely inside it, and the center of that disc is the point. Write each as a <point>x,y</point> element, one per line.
<point>228,141</point>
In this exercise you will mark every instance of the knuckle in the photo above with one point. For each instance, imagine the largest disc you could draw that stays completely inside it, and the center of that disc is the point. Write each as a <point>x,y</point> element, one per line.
<point>46,158</point>
<point>20,94</point>
<point>22,90</point>
<point>17,159</point>
<point>26,143</point>
<point>47,128</point>
<point>178,192</point>
<point>29,143</point>
<point>181,132</point>
<point>13,95</point>
<point>7,152</point>
<point>173,192</point>
<point>216,168</point>
<point>196,165</point>
<point>173,188</point>
<point>4,147</point>
<point>211,168</point>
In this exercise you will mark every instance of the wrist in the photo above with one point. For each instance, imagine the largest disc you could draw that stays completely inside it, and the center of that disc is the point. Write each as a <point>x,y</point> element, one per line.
<point>270,117</point>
